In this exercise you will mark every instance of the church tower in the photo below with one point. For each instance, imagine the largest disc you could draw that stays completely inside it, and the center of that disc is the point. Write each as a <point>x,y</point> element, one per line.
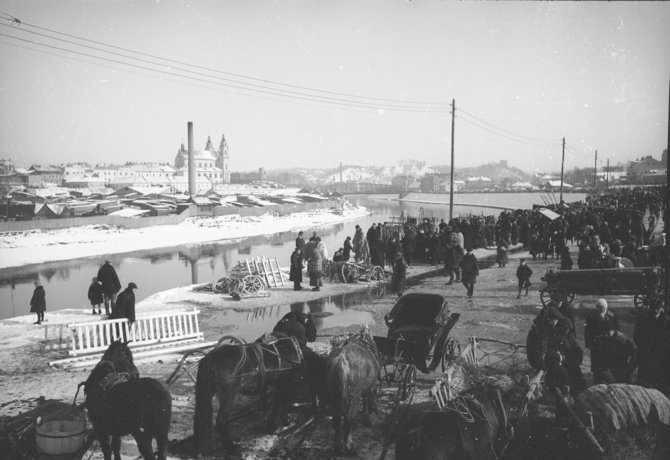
<point>180,159</point>
<point>209,147</point>
<point>222,159</point>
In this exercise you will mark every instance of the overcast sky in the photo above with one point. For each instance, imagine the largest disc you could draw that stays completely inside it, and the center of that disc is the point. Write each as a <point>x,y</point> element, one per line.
<point>331,81</point>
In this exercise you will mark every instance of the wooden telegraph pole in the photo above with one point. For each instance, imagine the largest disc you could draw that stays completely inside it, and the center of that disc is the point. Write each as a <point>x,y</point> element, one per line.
<point>562,164</point>
<point>451,182</point>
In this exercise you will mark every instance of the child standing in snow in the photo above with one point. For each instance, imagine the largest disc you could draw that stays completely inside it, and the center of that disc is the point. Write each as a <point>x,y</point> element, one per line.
<point>38,303</point>
<point>523,274</point>
<point>95,295</point>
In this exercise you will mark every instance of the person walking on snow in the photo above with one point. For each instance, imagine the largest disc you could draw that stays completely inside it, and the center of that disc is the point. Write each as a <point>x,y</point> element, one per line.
<point>469,271</point>
<point>95,295</point>
<point>38,303</point>
<point>523,274</point>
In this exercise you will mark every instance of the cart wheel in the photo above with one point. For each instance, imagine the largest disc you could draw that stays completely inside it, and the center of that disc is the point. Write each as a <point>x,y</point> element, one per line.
<point>349,273</point>
<point>229,339</point>
<point>253,284</point>
<point>376,274</point>
<point>642,301</point>
<point>406,375</point>
<point>187,365</point>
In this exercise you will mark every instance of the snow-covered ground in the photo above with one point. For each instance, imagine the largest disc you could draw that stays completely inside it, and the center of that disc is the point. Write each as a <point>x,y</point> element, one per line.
<point>38,246</point>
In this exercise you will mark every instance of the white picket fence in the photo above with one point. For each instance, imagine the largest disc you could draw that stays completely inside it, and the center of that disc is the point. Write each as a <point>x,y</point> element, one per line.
<point>156,333</point>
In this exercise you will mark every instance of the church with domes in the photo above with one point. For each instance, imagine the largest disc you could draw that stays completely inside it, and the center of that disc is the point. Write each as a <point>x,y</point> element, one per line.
<point>211,164</point>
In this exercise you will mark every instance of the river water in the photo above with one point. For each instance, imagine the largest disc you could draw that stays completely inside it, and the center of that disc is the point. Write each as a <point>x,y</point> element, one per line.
<point>66,282</point>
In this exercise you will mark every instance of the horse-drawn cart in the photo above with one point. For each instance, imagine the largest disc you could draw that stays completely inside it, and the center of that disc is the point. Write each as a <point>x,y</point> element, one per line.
<point>419,325</point>
<point>642,282</point>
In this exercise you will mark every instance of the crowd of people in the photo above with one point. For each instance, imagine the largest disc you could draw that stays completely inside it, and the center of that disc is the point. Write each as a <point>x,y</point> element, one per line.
<point>615,358</point>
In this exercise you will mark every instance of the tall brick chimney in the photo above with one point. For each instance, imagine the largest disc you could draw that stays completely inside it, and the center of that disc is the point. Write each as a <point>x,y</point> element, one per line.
<point>191,161</point>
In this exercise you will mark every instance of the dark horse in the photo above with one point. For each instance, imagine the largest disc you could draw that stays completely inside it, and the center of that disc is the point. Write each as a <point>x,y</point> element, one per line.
<point>352,373</point>
<point>249,368</point>
<point>473,427</point>
<point>121,403</point>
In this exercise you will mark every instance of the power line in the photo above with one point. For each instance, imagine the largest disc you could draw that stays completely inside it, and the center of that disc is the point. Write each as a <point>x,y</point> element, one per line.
<point>426,105</point>
<point>520,136</point>
<point>503,135</point>
<point>232,81</point>
<point>313,98</point>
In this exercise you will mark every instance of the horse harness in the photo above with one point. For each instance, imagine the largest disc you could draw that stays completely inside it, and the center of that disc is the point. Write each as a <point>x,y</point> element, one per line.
<point>269,345</point>
<point>462,406</point>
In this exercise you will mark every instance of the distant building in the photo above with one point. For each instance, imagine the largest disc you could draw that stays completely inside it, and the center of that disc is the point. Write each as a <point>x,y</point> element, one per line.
<point>47,174</point>
<point>6,166</point>
<point>211,163</point>
<point>435,183</point>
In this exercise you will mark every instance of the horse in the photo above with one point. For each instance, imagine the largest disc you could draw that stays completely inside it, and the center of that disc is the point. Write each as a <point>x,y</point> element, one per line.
<point>352,373</point>
<point>121,403</point>
<point>474,426</point>
<point>249,368</point>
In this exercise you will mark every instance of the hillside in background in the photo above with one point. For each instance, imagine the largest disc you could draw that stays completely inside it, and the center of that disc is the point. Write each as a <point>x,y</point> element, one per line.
<point>499,172</point>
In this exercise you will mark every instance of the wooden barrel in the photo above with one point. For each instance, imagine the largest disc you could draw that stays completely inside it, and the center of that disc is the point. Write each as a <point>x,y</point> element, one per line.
<point>61,437</point>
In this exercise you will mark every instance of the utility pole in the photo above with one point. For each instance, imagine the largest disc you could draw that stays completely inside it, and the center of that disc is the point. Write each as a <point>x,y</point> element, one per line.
<point>666,215</point>
<point>451,182</point>
<point>607,175</point>
<point>595,171</point>
<point>562,163</point>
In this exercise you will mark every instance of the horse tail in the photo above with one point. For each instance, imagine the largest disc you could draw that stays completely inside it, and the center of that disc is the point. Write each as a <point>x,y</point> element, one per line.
<point>202,419</point>
<point>342,394</point>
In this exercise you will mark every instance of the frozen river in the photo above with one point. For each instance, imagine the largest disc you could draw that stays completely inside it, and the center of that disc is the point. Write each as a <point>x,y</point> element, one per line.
<point>66,282</point>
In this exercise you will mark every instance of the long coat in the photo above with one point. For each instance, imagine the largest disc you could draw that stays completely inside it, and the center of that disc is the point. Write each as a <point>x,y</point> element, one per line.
<point>95,293</point>
<point>296,267</point>
<point>453,256</point>
<point>109,280</point>
<point>469,268</point>
<point>399,278</point>
<point>315,268</point>
<point>125,305</point>
<point>377,252</point>
<point>38,302</point>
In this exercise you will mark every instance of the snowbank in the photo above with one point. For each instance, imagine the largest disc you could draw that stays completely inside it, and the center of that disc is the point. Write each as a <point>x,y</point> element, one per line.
<point>38,246</point>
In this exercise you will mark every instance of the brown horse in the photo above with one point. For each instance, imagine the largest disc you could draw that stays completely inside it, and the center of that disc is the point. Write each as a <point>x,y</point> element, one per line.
<point>352,373</point>
<point>473,427</point>
<point>249,368</point>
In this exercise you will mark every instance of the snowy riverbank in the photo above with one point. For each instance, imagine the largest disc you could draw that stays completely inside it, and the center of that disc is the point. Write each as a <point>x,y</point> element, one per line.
<point>39,246</point>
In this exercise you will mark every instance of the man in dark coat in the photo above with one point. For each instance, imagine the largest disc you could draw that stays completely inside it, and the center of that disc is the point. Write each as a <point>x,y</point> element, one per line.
<point>296,269</point>
<point>469,271</point>
<point>598,322</point>
<point>562,340</point>
<point>110,285</point>
<point>95,295</point>
<point>523,274</point>
<point>38,302</point>
<point>399,278</point>
<point>125,304</point>
<point>613,357</point>
<point>300,241</point>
